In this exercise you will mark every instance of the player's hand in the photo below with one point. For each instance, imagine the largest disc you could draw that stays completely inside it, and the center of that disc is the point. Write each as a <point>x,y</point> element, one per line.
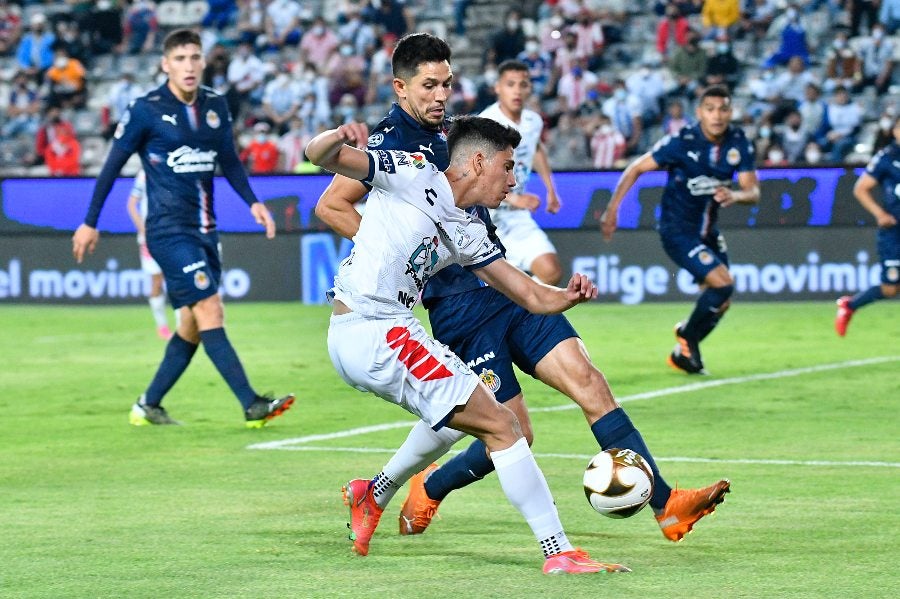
<point>724,196</point>
<point>263,217</point>
<point>580,289</point>
<point>355,134</point>
<point>84,240</point>
<point>608,224</point>
<point>886,220</point>
<point>553,202</point>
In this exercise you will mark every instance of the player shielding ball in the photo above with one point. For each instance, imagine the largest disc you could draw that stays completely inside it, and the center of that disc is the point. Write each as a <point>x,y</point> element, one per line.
<point>413,226</point>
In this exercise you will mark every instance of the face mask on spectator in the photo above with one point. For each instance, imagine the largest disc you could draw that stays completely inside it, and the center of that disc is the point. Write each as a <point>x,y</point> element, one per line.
<point>885,123</point>
<point>346,50</point>
<point>605,129</point>
<point>532,47</point>
<point>839,44</point>
<point>791,14</point>
<point>61,62</point>
<point>722,48</point>
<point>104,4</point>
<point>877,33</point>
<point>512,24</point>
<point>813,156</point>
<point>776,155</point>
<point>318,30</point>
<point>765,132</point>
<point>260,137</point>
<point>620,94</point>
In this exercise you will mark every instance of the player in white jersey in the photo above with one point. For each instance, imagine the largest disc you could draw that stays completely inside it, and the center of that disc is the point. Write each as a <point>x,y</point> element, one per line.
<point>527,246</point>
<point>137,209</point>
<point>414,225</point>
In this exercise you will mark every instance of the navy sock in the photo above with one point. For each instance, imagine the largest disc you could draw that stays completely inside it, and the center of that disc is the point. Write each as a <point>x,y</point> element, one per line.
<point>706,313</point>
<point>616,430</point>
<point>464,469</point>
<point>223,356</point>
<point>872,294</point>
<point>175,361</point>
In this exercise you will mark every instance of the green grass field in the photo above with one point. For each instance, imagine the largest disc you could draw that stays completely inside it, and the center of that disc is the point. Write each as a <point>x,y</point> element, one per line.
<point>803,423</point>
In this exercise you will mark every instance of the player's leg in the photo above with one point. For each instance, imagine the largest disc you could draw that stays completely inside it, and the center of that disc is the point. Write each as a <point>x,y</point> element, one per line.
<point>711,305</point>
<point>157,301</point>
<point>528,247</point>
<point>889,251</point>
<point>546,267</point>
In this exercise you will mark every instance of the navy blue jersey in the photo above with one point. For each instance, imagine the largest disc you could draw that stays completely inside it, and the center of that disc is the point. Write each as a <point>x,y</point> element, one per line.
<point>179,145</point>
<point>399,131</point>
<point>885,168</point>
<point>696,168</point>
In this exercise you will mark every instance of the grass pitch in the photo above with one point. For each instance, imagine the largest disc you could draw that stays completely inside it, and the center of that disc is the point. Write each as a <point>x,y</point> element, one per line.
<point>804,423</point>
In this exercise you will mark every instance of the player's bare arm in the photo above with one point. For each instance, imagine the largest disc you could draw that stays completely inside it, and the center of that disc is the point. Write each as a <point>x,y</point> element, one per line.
<point>535,297</point>
<point>609,220</point>
<point>542,167</point>
<point>336,205</point>
<point>862,191</point>
<point>334,150</point>
<point>747,194</point>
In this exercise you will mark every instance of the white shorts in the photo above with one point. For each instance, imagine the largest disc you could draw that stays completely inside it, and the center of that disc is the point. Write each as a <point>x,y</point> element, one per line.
<point>397,360</point>
<point>148,264</point>
<point>523,238</point>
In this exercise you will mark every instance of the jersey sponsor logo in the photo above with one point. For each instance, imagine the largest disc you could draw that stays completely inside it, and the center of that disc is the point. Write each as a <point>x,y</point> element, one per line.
<point>415,356</point>
<point>193,266</point>
<point>406,299</point>
<point>192,160</point>
<point>490,379</point>
<point>695,156</point>
<point>375,140</point>
<point>733,157</point>
<point>422,261</point>
<point>481,359</point>
<point>387,163</point>
<point>703,185</point>
<point>201,281</point>
<point>213,120</point>
<point>170,118</point>
<point>426,149</point>
<point>418,160</point>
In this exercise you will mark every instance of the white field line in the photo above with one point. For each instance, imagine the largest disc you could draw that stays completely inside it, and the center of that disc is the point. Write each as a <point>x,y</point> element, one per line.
<point>299,443</point>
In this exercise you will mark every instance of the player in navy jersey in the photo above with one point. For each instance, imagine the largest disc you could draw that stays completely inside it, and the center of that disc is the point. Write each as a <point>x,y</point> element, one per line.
<point>884,170</point>
<point>181,131</point>
<point>702,161</point>
<point>486,329</point>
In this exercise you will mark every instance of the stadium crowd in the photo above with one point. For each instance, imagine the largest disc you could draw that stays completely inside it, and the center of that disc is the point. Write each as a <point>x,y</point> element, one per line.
<point>814,81</point>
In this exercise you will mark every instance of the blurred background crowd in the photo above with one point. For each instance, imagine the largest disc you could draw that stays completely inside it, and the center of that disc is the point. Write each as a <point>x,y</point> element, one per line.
<point>814,81</point>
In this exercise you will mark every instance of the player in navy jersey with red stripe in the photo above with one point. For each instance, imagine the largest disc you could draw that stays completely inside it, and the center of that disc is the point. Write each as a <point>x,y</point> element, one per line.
<point>181,131</point>
<point>883,170</point>
<point>702,161</point>
<point>486,329</point>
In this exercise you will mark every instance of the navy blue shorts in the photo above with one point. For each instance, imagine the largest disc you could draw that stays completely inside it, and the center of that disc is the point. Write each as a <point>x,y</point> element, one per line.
<point>491,333</point>
<point>190,264</point>
<point>697,256</point>
<point>889,254</point>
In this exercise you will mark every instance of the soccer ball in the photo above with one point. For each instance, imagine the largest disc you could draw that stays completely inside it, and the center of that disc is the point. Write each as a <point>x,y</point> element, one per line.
<point>618,483</point>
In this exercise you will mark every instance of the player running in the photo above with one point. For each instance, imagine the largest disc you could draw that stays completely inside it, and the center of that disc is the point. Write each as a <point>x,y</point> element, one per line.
<point>701,161</point>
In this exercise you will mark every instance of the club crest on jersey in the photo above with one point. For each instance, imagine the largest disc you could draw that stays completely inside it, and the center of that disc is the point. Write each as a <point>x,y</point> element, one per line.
<point>892,274</point>
<point>490,379</point>
<point>201,281</point>
<point>213,120</point>
<point>375,139</point>
<point>418,160</point>
<point>424,258</point>
<point>733,157</point>
<point>705,258</point>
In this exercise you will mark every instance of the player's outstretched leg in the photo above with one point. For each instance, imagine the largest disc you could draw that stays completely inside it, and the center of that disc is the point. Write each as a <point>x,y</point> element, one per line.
<point>364,513</point>
<point>686,506</point>
<point>419,508</point>
<point>263,409</point>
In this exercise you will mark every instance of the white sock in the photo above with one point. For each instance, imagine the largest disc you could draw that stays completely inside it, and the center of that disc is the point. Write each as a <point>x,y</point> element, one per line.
<point>422,447</point>
<point>158,307</point>
<point>526,488</point>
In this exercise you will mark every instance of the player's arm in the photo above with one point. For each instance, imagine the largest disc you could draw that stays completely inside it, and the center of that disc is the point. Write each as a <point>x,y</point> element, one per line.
<point>336,205</point>
<point>542,167</point>
<point>609,220</point>
<point>331,151</point>
<point>863,192</point>
<point>86,235</point>
<point>747,194</point>
<point>535,297</point>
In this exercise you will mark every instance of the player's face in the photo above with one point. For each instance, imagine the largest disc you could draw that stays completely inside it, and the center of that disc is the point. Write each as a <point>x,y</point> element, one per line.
<point>425,96</point>
<point>513,89</point>
<point>184,66</point>
<point>499,178</point>
<point>714,114</point>
<point>897,130</point>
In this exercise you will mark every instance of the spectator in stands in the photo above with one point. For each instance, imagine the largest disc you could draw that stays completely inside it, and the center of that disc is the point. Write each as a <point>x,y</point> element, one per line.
<point>756,21</point>
<point>54,128</point>
<point>281,101</point>
<point>282,23</point>
<point>843,120</point>
<point>589,43</point>
<point>141,27</point>
<point>889,16</point>
<point>66,80</point>
<point>245,76</point>
<point>574,86</point>
<point>261,154</point>
<point>607,143</point>
<point>393,16</point>
<point>251,21</point>
<point>10,27</point>
<point>775,155</point>
<point>346,110</point>
<point>121,94</point>
<point>552,32</point>
<point>540,66</point>
<point>790,86</point>
<point>688,64</point>
<point>843,66</point>
<point>793,40</point>
<point>221,14</point>
<point>859,10</point>
<point>625,113</point>
<point>346,75</point>
<point>358,33</point>
<point>104,28</point>
<point>292,144</point>
<point>673,31</point>
<point>812,154</point>
<point>460,7</point>
<point>674,120</point>
<point>648,86</point>
<point>763,93</point>
<point>23,110</point>
<point>509,41</point>
<point>567,145</point>
<point>885,133</point>
<point>720,16</point>
<point>381,73</point>
<point>877,53</point>
<point>794,137</point>
<point>35,51</point>
<point>723,68</point>
<point>68,35</point>
<point>318,44</point>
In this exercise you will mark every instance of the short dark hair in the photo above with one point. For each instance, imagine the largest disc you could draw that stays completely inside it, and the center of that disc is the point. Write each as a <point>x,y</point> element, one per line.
<point>479,131</point>
<point>415,49</point>
<point>180,37</point>
<point>715,91</point>
<point>511,65</point>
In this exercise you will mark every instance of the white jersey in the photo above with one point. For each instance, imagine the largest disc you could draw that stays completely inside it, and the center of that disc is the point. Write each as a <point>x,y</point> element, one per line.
<point>411,229</point>
<point>140,190</point>
<point>529,127</point>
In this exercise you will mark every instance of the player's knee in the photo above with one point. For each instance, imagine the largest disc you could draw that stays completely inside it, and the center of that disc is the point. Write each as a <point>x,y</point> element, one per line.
<point>722,295</point>
<point>547,269</point>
